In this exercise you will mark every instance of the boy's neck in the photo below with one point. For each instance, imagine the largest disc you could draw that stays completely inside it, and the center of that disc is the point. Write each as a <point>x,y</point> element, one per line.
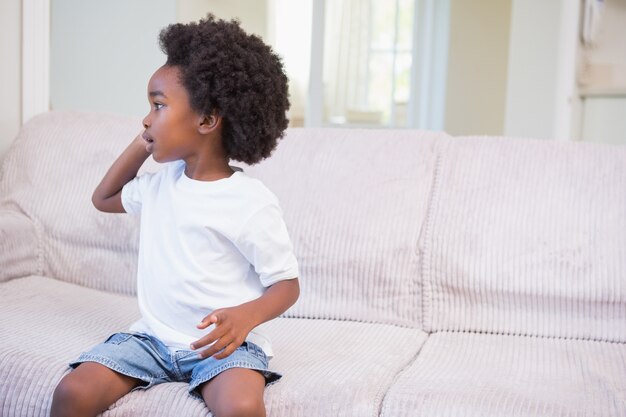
<point>209,162</point>
<point>208,170</point>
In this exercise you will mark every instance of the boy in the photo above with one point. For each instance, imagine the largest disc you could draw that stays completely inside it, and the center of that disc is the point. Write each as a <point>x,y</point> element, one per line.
<point>215,258</point>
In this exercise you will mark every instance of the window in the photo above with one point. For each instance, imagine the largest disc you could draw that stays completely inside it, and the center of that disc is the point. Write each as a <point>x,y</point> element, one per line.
<point>383,63</point>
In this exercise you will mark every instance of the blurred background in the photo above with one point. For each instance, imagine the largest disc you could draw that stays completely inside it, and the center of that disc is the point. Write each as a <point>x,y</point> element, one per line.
<point>550,69</point>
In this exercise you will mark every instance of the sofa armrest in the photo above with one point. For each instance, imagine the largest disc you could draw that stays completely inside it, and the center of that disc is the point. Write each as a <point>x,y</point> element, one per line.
<point>20,248</point>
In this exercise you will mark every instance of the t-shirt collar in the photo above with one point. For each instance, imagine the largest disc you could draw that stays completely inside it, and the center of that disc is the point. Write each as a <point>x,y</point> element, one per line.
<point>189,184</point>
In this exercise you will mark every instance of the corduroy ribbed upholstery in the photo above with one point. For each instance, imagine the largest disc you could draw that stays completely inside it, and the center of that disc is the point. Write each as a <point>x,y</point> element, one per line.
<point>50,173</point>
<point>355,202</point>
<point>367,238</point>
<point>471,374</point>
<point>440,276</point>
<point>46,323</point>
<point>528,237</point>
<point>20,251</point>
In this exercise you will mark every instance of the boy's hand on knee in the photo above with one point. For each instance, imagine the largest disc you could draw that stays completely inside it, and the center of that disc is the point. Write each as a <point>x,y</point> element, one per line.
<point>232,326</point>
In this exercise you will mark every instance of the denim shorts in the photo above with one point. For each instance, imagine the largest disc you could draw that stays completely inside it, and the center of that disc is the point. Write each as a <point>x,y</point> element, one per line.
<point>145,357</point>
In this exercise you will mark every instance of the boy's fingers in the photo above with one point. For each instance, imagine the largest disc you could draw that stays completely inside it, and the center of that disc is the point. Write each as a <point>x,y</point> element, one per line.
<point>228,350</point>
<point>214,317</point>
<point>216,348</point>
<point>204,324</point>
<point>208,320</point>
<point>208,339</point>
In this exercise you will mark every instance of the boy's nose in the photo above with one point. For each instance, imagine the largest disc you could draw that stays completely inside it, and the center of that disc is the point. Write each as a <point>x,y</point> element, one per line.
<point>145,122</point>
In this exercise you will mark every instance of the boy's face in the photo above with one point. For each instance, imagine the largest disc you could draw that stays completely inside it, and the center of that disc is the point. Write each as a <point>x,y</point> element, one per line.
<point>171,126</point>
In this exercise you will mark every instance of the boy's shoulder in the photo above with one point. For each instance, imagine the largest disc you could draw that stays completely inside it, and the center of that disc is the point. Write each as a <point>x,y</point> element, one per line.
<point>255,188</point>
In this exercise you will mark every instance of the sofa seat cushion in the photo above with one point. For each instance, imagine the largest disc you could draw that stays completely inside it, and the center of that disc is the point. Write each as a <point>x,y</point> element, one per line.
<point>45,323</point>
<point>336,368</point>
<point>330,368</point>
<point>472,374</point>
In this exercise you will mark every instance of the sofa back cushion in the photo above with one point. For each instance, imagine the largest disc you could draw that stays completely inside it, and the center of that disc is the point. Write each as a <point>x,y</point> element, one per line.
<point>528,237</point>
<point>354,202</point>
<point>49,175</point>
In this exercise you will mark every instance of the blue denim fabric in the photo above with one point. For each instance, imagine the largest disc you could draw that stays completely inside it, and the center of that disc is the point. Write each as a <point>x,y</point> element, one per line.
<point>146,358</point>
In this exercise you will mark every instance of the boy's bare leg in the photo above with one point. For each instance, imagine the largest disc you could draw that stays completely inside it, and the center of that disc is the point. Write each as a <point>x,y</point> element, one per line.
<point>88,390</point>
<point>235,392</point>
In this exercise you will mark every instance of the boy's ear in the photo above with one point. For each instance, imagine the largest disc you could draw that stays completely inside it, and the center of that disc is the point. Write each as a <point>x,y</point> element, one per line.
<point>209,123</point>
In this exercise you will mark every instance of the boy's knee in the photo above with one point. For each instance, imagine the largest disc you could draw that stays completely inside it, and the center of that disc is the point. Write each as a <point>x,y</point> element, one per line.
<point>69,398</point>
<point>242,407</point>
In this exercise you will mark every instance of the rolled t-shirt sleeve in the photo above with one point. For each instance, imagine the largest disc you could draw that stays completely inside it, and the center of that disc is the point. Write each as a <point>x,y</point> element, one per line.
<point>133,192</point>
<point>264,241</point>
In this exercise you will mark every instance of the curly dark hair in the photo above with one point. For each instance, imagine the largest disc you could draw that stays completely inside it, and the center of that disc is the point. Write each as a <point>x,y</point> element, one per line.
<point>235,74</point>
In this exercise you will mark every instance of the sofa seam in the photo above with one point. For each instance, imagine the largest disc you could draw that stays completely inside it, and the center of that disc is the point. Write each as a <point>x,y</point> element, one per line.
<point>406,366</point>
<point>39,246</point>
<point>39,249</point>
<point>426,236</point>
<point>530,336</point>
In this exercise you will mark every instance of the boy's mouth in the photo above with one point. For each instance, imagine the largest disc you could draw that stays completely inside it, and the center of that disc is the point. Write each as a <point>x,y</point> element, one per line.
<point>149,142</point>
<point>147,138</point>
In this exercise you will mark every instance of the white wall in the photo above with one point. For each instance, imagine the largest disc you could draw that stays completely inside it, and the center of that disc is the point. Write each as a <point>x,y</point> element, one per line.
<point>251,13</point>
<point>10,71</point>
<point>542,65</point>
<point>477,67</point>
<point>532,68</point>
<point>102,54</point>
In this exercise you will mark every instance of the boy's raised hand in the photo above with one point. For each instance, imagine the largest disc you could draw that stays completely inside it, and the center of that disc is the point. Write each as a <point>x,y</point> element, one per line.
<point>232,326</point>
<point>107,196</point>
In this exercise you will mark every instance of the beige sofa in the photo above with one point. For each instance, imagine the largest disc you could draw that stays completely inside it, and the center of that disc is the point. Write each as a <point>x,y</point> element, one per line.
<point>440,276</point>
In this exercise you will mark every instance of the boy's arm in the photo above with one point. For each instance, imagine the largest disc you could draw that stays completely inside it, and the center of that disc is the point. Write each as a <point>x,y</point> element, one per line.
<point>233,324</point>
<point>107,195</point>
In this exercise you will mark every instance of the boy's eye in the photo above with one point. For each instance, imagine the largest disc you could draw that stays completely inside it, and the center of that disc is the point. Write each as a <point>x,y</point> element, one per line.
<point>157,106</point>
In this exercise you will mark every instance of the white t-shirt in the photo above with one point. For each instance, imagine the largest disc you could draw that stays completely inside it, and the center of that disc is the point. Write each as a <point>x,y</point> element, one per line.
<point>204,245</point>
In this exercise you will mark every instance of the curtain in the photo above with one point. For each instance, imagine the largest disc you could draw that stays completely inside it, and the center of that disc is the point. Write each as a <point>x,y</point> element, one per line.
<point>346,57</point>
